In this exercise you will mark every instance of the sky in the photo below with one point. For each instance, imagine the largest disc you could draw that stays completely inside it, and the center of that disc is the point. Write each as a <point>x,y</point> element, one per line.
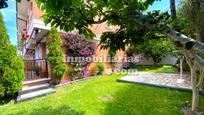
<point>162,5</point>
<point>9,15</point>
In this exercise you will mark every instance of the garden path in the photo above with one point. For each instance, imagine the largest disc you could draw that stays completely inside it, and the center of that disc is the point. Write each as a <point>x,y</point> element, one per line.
<point>167,80</point>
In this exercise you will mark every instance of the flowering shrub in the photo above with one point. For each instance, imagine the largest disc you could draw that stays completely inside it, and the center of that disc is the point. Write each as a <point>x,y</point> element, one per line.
<point>77,46</point>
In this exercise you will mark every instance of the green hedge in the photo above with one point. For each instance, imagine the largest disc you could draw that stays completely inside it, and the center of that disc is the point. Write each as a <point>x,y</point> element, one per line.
<point>55,56</point>
<point>11,65</point>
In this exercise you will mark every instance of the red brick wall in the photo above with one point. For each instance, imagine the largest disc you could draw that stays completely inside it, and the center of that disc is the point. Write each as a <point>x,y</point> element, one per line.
<point>92,67</point>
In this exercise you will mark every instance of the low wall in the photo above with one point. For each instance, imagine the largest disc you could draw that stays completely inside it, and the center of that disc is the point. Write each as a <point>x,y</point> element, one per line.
<point>167,60</point>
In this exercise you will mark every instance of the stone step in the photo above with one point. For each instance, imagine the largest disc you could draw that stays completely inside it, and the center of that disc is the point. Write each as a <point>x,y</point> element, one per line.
<point>36,82</point>
<point>31,95</point>
<point>25,89</point>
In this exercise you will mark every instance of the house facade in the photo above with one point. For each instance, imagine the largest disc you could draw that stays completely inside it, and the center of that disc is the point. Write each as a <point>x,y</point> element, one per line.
<point>32,37</point>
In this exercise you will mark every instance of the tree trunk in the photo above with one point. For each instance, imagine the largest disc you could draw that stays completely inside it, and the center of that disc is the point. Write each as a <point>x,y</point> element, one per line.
<point>197,32</point>
<point>193,67</point>
<point>173,9</point>
<point>195,97</point>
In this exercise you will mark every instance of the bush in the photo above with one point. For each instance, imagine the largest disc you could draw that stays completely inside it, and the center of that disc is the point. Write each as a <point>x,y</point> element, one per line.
<point>2,90</point>
<point>55,55</point>
<point>11,65</point>
<point>78,46</point>
<point>101,68</point>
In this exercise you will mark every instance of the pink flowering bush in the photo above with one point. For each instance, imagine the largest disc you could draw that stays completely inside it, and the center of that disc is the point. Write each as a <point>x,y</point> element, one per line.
<point>77,46</point>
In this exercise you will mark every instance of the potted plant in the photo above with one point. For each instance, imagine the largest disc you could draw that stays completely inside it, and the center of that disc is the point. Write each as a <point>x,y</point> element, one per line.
<point>37,70</point>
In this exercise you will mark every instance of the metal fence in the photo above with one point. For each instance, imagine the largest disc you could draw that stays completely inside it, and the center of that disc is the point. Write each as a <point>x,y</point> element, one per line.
<point>35,69</point>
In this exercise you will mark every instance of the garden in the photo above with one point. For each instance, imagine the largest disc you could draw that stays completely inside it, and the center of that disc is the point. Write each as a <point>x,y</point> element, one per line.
<point>152,35</point>
<point>103,95</point>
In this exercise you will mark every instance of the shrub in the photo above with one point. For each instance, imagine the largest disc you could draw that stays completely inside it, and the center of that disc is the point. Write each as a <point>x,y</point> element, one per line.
<point>11,65</point>
<point>2,90</point>
<point>55,55</point>
<point>77,46</point>
<point>101,68</point>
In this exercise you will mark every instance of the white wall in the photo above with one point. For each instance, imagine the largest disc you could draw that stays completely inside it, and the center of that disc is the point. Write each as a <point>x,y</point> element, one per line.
<point>168,59</point>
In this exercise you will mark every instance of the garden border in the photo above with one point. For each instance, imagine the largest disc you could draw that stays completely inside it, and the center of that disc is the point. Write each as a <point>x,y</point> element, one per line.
<point>78,80</point>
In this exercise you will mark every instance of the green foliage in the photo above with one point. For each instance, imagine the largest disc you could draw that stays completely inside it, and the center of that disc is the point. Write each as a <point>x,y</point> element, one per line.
<point>101,67</point>
<point>11,65</point>
<point>129,15</point>
<point>2,90</point>
<point>79,14</point>
<point>4,36</point>
<point>155,46</point>
<point>55,55</point>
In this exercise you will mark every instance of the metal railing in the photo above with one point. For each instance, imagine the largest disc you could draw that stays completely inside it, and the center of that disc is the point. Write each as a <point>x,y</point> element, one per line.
<point>35,69</point>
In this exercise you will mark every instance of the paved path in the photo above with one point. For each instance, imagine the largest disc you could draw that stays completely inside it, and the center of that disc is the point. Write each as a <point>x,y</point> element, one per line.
<point>159,79</point>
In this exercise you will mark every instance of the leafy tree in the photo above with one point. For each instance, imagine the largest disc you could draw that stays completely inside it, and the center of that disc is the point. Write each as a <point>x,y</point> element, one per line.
<point>191,23</point>
<point>11,65</point>
<point>155,46</point>
<point>55,55</point>
<point>80,14</point>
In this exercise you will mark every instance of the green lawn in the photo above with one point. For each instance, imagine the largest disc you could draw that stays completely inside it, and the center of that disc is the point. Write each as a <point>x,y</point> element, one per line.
<point>158,69</point>
<point>105,96</point>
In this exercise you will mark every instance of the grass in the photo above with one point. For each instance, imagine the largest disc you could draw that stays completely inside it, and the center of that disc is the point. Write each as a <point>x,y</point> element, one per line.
<point>159,69</point>
<point>103,96</point>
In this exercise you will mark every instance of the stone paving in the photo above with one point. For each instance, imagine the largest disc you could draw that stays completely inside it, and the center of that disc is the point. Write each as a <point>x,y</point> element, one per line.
<point>159,79</point>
